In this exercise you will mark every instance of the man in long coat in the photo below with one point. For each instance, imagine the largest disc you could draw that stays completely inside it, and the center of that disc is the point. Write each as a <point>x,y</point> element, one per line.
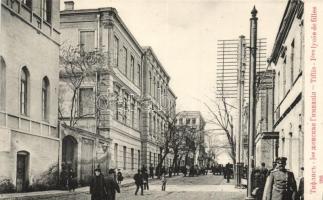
<point>280,184</point>
<point>111,186</point>
<point>98,186</point>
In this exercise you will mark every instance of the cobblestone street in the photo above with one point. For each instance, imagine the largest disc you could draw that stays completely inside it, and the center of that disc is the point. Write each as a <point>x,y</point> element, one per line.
<point>201,187</point>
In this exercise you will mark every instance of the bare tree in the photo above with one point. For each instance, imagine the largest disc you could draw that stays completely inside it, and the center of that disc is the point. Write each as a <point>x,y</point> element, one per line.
<point>76,67</point>
<point>222,117</point>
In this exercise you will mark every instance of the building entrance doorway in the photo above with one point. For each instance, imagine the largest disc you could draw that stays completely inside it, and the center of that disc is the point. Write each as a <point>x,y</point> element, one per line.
<point>22,171</point>
<point>69,151</point>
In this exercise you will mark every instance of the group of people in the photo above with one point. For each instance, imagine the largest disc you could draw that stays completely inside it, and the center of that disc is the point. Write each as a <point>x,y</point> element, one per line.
<point>104,188</point>
<point>141,178</point>
<point>68,178</point>
<point>277,183</point>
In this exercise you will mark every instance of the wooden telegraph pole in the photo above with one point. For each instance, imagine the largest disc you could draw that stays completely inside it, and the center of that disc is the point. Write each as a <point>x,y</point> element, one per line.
<point>252,99</point>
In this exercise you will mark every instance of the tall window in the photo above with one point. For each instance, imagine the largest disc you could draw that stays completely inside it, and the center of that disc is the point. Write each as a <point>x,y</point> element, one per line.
<point>284,77</point>
<point>116,155</point>
<point>292,63</point>
<point>45,98</point>
<point>138,118</point>
<point>87,40</point>
<point>132,69</point>
<point>125,57</point>
<point>132,112</point>
<point>132,159</point>
<point>86,101</point>
<point>24,81</point>
<point>47,10</point>
<point>116,50</point>
<point>124,157</point>
<point>2,84</point>
<point>193,121</point>
<point>138,75</point>
<point>28,3</point>
<point>188,121</point>
<point>278,90</point>
<point>139,157</point>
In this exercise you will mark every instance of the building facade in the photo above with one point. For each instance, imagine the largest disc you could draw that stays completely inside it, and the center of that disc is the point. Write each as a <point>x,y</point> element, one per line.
<point>288,60</point>
<point>29,146</point>
<point>266,139</point>
<point>195,120</point>
<point>132,81</point>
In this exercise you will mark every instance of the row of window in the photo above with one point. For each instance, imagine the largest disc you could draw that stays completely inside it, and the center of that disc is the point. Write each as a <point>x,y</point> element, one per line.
<point>24,96</point>
<point>124,156</point>
<point>288,72</point>
<point>45,8</point>
<point>157,90</point>
<point>132,72</point>
<point>188,121</point>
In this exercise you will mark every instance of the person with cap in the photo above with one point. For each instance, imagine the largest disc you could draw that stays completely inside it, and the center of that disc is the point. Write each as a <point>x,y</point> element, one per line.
<point>280,184</point>
<point>139,182</point>
<point>111,185</point>
<point>98,186</point>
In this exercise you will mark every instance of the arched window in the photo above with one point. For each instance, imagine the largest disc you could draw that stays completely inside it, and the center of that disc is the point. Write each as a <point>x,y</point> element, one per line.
<point>24,81</point>
<point>45,98</point>
<point>2,84</point>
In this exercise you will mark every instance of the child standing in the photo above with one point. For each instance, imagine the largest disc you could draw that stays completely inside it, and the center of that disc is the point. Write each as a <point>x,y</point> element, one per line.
<point>164,181</point>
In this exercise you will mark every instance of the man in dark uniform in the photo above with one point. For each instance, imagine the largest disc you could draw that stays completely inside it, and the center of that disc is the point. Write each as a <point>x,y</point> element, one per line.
<point>280,184</point>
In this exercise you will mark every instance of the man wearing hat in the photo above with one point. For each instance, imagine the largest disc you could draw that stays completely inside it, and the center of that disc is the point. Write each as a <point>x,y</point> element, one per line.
<point>111,186</point>
<point>280,184</point>
<point>98,186</point>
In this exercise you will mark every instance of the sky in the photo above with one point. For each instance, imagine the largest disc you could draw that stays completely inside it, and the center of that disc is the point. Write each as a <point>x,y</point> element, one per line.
<point>184,34</point>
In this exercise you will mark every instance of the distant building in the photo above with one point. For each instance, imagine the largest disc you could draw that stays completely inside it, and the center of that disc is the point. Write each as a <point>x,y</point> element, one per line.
<point>158,107</point>
<point>287,58</point>
<point>29,57</point>
<point>195,120</point>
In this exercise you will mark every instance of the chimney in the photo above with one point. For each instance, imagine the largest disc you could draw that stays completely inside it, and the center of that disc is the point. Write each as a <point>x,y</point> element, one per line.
<point>69,5</point>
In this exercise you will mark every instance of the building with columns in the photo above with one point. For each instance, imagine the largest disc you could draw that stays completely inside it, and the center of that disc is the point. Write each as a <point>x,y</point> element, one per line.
<point>287,58</point>
<point>29,57</point>
<point>133,82</point>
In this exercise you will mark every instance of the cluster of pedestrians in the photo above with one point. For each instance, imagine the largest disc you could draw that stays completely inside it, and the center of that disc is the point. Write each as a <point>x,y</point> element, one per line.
<point>277,183</point>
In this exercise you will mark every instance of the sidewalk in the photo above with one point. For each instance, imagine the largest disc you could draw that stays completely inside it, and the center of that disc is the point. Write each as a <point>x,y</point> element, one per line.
<point>61,194</point>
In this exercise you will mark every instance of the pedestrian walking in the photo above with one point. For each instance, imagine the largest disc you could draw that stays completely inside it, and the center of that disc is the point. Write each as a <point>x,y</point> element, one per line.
<point>227,172</point>
<point>301,186</point>
<point>164,182</point>
<point>151,171</point>
<point>145,180</point>
<point>98,186</point>
<point>259,179</point>
<point>280,184</point>
<point>139,182</point>
<point>264,169</point>
<point>111,185</point>
<point>71,180</point>
<point>119,177</point>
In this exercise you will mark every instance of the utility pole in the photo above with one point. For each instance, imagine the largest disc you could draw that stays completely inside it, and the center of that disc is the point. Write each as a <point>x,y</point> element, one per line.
<point>252,99</point>
<point>241,71</point>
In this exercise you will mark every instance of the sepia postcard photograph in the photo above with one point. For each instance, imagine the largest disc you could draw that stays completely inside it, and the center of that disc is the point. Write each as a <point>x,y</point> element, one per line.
<point>161,99</point>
